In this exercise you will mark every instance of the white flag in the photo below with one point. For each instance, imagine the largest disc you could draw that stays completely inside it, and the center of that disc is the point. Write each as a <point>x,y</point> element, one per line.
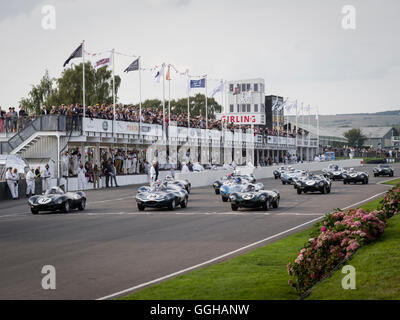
<point>160,73</point>
<point>220,88</point>
<point>103,61</point>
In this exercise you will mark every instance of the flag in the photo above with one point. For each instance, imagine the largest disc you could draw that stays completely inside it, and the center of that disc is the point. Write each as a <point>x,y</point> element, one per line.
<point>160,73</point>
<point>220,88</point>
<point>103,62</point>
<point>275,106</point>
<point>76,54</point>
<point>133,66</point>
<point>168,76</point>
<point>283,104</point>
<point>188,82</point>
<point>201,83</point>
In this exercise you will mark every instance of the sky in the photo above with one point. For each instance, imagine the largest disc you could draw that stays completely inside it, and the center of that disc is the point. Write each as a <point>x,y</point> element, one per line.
<point>299,47</point>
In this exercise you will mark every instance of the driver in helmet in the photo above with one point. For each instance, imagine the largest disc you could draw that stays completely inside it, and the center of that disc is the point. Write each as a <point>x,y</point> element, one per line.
<point>250,188</point>
<point>168,178</point>
<point>238,180</point>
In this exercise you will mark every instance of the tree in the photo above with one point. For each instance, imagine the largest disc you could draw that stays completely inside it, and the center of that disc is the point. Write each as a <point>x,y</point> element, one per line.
<point>355,138</point>
<point>197,106</point>
<point>68,88</point>
<point>39,94</point>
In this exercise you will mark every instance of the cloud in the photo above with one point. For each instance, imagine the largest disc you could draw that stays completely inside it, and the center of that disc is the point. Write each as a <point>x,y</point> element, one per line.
<point>11,9</point>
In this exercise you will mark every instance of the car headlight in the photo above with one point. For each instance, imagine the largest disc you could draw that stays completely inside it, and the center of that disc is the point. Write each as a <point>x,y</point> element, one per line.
<point>321,183</point>
<point>59,201</point>
<point>362,176</point>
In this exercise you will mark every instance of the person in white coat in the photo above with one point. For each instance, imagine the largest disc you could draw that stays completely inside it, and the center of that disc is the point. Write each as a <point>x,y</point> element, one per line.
<point>153,173</point>
<point>30,183</point>
<point>11,183</point>
<point>134,164</point>
<point>16,181</point>
<point>172,165</point>
<point>81,177</point>
<point>65,164</point>
<point>250,165</point>
<point>185,168</point>
<point>46,178</point>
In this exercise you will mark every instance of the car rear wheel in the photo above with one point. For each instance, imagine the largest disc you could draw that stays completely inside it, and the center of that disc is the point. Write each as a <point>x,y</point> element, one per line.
<point>298,191</point>
<point>328,190</point>
<point>224,199</point>
<point>275,204</point>
<point>234,207</point>
<point>216,191</point>
<point>324,190</point>
<point>82,205</point>
<point>67,207</point>
<point>184,203</point>
<point>283,182</point>
<point>140,207</point>
<point>375,175</point>
<point>344,182</point>
<point>391,174</point>
<point>34,211</point>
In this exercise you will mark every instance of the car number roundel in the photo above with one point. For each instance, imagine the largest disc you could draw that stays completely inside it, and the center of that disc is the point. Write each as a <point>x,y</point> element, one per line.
<point>44,200</point>
<point>310,183</point>
<point>353,175</point>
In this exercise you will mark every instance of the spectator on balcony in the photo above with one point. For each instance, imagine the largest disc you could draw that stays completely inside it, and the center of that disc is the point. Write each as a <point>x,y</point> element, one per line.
<point>22,118</point>
<point>2,120</point>
<point>45,111</point>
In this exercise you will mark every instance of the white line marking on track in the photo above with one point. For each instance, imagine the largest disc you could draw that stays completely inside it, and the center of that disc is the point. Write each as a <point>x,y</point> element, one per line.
<point>224,255</point>
<point>383,182</point>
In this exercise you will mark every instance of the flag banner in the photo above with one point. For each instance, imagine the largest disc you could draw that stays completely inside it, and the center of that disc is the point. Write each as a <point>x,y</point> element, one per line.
<point>160,74</point>
<point>283,105</point>
<point>201,83</point>
<point>220,88</point>
<point>76,54</point>
<point>103,62</point>
<point>275,106</point>
<point>168,76</point>
<point>133,66</point>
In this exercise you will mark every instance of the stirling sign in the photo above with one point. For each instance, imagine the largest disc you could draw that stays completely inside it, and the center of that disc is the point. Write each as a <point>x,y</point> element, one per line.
<point>242,118</point>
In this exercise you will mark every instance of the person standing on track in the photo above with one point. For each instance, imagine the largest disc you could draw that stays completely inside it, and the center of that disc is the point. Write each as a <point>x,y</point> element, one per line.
<point>46,178</point>
<point>153,173</point>
<point>81,177</point>
<point>16,181</point>
<point>30,183</point>
<point>11,183</point>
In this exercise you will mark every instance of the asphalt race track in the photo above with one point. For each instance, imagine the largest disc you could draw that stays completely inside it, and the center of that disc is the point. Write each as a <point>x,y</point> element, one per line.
<point>111,246</point>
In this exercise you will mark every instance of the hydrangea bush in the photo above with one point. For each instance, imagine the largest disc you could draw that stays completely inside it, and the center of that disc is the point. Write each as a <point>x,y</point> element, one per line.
<point>341,234</point>
<point>338,236</point>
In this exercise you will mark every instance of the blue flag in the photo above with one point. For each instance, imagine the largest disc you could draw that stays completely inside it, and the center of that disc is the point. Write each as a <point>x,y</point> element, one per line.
<point>201,83</point>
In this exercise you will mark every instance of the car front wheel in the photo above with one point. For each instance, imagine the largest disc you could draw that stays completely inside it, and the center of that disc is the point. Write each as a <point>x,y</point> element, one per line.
<point>67,207</point>
<point>184,203</point>
<point>234,207</point>
<point>298,191</point>
<point>224,199</point>
<point>82,205</point>
<point>34,211</point>
<point>140,207</point>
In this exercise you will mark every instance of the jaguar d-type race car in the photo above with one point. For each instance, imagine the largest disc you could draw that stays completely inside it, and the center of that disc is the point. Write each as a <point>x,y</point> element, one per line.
<point>313,183</point>
<point>249,178</point>
<point>287,177</point>
<point>383,170</point>
<point>251,197</point>
<point>277,173</point>
<point>355,176</point>
<point>236,185</point>
<point>55,199</point>
<point>334,172</point>
<point>162,195</point>
<point>182,183</point>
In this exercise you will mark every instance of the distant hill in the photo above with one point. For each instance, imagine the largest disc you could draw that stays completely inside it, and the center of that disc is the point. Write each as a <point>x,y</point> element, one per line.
<point>357,120</point>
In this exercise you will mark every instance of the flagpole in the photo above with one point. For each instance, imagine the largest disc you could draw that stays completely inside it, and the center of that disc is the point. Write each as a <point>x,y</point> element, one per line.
<point>206,104</point>
<point>163,68</point>
<point>83,72</point>
<point>140,96</point>
<point>318,129</point>
<point>296,127</point>
<point>113,89</point>
<point>169,95</point>
<point>309,125</point>
<point>188,100</point>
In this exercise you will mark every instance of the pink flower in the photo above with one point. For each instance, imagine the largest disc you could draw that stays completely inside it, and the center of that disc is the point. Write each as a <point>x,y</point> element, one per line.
<point>323,229</point>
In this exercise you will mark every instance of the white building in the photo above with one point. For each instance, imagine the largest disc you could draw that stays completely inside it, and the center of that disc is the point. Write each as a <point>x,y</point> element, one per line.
<point>245,102</point>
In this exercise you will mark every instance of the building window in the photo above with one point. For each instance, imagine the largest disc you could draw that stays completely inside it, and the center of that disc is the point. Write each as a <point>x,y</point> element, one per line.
<point>238,108</point>
<point>248,87</point>
<point>243,108</point>
<point>231,87</point>
<point>256,87</point>
<point>243,87</point>
<point>248,108</point>
<point>231,108</point>
<point>256,108</point>
<point>262,108</point>
<point>261,87</point>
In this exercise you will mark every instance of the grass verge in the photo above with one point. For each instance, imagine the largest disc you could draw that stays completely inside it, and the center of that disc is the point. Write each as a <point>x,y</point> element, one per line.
<point>258,275</point>
<point>393,182</point>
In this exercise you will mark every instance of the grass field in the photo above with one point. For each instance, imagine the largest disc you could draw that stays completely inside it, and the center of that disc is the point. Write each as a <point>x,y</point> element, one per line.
<point>258,275</point>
